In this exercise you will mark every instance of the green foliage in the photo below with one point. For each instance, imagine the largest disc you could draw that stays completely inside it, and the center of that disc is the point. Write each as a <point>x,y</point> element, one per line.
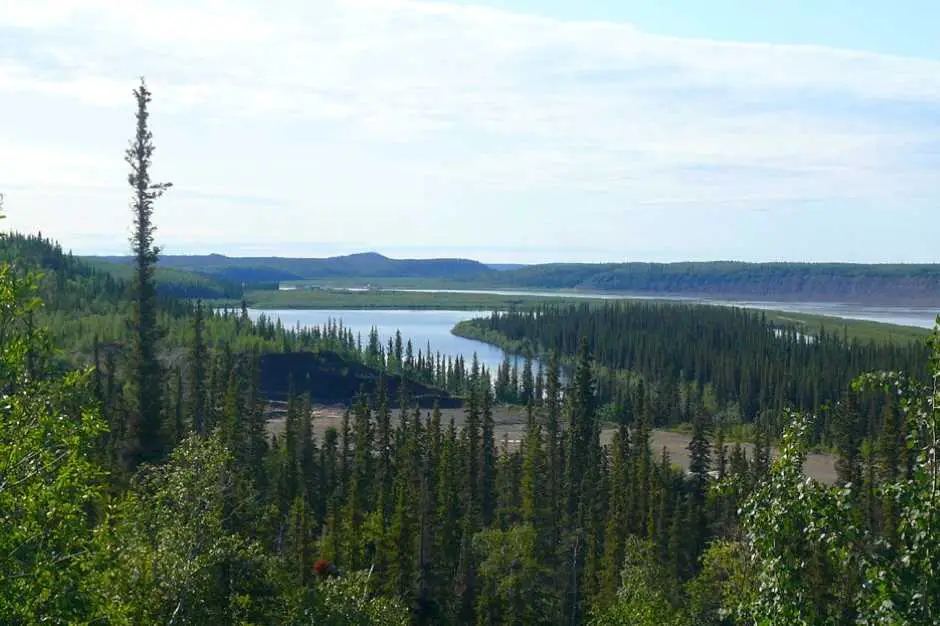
<point>515,583</point>
<point>49,484</point>
<point>818,561</point>
<point>144,441</point>
<point>697,358</point>
<point>725,581</point>
<point>840,282</point>
<point>391,299</point>
<point>172,283</point>
<point>902,576</point>
<point>169,552</point>
<point>799,540</point>
<point>350,601</point>
<point>235,523</point>
<point>365,266</point>
<point>644,599</point>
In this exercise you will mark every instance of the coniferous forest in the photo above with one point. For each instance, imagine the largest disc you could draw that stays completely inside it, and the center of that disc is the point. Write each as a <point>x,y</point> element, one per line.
<point>140,483</point>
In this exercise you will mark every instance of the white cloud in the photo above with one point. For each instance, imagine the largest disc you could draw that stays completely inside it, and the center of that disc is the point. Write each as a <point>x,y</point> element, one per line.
<point>404,121</point>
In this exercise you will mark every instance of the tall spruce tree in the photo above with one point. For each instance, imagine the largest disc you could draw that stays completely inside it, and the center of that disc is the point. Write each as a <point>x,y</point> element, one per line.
<point>553,460</point>
<point>385,479</point>
<point>198,353</point>
<point>146,443</point>
<point>487,454</point>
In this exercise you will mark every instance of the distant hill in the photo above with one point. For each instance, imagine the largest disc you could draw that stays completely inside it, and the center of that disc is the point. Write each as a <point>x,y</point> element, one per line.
<point>504,267</point>
<point>70,281</point>
<point>362,265</point>
<point>834,282</point>
<point>907,284</point>
<point>178,283</point>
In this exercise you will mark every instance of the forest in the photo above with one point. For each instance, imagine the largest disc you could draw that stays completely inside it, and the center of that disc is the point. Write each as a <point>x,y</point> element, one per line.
<point>824,282</point>
<point>140,484</point>
<point>744,367</point>
<point>838,282</point>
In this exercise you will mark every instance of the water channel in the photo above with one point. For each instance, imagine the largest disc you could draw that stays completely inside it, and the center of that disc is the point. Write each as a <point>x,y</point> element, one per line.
<point>425,327</point>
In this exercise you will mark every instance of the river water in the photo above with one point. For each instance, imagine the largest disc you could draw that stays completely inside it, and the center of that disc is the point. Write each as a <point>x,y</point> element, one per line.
<point>424,327</point>
<point>922,317</point>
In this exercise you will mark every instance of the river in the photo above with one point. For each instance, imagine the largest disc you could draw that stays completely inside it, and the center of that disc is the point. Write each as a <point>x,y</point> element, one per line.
<point>424,327</point>
<point>918,316</point>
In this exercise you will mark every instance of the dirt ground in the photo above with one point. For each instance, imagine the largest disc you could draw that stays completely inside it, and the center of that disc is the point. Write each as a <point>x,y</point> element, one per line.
<point>510,420</point>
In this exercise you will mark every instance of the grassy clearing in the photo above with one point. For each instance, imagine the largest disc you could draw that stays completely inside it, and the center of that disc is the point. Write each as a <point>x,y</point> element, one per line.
<point>862,330</point>
<point>390,299</point>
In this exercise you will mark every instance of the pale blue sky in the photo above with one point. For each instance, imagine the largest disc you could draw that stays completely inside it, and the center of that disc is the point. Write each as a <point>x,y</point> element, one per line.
<point>901,27</point>
<point>505,130</point>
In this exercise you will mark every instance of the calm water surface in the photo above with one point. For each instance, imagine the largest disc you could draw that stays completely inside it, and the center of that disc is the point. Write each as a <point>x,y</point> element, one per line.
<point>421,327</point>
<point>424,327</point>
<point>923,317</point>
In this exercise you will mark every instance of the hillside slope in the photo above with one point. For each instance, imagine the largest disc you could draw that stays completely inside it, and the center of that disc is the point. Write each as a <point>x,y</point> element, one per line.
<point>887,284</point>
<point>363,265</point>
<point>841,282</point>
<point>71,282</point>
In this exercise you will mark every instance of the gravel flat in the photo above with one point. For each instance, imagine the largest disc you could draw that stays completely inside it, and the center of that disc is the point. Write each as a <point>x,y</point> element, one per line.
<point>510,422</point>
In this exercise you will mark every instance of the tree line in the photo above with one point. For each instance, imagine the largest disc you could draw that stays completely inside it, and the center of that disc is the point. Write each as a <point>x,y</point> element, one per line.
<point>734,361</point>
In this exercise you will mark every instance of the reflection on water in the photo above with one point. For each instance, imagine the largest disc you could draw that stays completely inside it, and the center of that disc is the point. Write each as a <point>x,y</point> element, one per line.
<point>422,327</point>
<point>433,327</point>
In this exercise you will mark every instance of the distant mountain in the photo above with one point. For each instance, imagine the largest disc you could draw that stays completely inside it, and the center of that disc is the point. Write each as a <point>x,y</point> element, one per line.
<point>362,265</point>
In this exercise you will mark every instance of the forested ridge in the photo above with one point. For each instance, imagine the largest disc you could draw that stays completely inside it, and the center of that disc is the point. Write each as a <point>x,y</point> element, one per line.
<point>889,284</point>
<point>362,265</point>
<point>105,280</point>
<point>139,483</point>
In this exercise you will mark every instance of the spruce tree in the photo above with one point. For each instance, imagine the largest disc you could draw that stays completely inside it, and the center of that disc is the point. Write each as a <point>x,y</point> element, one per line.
<point>581,415</point>
<point>539,384</point>
<point>309,473</point>
<point>401,530</point>
<point>198,354</point>
<point>615,533</point>
<point>473,505</point>
<point>488,455</point>
<point>361,488</point>
<point>699,454</point>
<point>889,463</point>
<point>534,501</point>
<point>233,415</point>
<point>146,443</point>
<point>290,462</point>
<point>177,423</point>
<point>642,461</point>
<point>528,384</point>
<point>447,520</point>
<point>385,479</point>
<point>553,461</point>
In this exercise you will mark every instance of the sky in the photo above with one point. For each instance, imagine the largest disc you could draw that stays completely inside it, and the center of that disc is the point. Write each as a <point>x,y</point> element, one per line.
<point>515,131</point>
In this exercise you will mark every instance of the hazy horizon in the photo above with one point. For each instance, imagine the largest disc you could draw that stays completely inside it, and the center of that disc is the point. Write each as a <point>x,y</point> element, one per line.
<point>508,131</point>
<point>485,261</point>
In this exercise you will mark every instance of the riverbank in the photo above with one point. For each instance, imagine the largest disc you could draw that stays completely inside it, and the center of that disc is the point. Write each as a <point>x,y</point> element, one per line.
<point>832,318</point>
<point>810,325</point>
